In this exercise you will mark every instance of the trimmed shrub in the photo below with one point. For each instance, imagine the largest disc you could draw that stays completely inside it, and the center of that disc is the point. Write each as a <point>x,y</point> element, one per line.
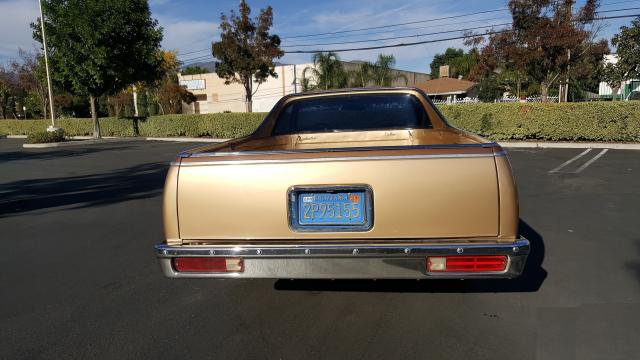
<point>226,125</point>
<point>588,121</point>
<point>42,137</point>
<point>594,121</point>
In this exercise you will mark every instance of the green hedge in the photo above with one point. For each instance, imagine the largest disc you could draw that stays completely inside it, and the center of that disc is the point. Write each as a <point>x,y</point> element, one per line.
<point>224,125</point>
<point>595,121</point>
<point>41,137</point>
<point>588,121</point>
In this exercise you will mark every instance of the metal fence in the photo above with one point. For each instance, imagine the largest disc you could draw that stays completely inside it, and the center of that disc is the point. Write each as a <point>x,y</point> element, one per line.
<point>467,100</point>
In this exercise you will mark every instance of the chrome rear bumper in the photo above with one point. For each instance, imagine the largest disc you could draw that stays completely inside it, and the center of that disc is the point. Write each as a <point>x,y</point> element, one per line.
<point>361,261</point>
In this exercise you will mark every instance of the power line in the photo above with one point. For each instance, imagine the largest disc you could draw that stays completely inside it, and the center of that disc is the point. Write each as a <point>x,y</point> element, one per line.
<point>194,51</point>
<point>413,28</point>
<point>198,59</point>
<point>389,46</point>
<point>426,34</point>
<point>371,33</point>
<point>399,37</point>
<point>395,25</point>
<point>429,41</point>
<point>348,33</point>
<point>616,10</point>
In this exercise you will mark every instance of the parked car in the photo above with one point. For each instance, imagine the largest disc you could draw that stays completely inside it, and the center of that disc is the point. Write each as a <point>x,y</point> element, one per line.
<point>364,183</point>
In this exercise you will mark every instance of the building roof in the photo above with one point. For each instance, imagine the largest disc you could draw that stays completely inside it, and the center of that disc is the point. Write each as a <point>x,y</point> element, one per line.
<point>446,86</point>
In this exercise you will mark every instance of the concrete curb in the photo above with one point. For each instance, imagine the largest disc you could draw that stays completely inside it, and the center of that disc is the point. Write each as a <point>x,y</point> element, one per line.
<point>506,144</point>
<point>569,145</point>
<point>187,139</point>
<point>74,143</point>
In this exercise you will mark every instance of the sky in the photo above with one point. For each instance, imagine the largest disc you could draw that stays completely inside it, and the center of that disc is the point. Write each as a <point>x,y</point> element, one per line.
<point>191,25</point>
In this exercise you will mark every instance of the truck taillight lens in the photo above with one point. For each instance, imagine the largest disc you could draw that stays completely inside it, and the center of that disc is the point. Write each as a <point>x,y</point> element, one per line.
<point>464,264</point>
<point>208,264</point>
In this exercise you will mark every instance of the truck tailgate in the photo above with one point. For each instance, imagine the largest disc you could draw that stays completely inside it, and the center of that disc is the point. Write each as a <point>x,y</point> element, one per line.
<point>413,197</point>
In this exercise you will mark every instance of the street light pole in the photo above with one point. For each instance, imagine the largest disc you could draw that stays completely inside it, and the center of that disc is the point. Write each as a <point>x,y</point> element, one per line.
<point>46,65</point>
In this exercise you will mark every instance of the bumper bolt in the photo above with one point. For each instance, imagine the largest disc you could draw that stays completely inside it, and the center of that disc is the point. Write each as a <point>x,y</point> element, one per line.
<point>307,251</point>
<point>355,251</point>
<point>259,252</point>
<point>212,252</point>
<point>459,250</point>
<point>407,250</point>
<point>515,249</point>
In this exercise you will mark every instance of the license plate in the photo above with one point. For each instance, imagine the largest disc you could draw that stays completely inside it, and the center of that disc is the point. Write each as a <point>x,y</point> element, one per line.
<point>317,210</point>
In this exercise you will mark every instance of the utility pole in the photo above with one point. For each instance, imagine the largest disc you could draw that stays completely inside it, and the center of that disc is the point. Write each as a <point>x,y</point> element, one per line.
<point>46,65</point>
<point>295,80</point>
<point>135,101</point>
<point>564,87</point>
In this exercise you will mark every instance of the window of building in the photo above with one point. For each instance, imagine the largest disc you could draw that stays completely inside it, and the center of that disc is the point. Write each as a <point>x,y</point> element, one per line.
<point>197,84</point>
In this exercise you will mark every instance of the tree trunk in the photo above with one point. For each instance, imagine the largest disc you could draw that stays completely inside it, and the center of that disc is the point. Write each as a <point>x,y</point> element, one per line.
<point>94,115</point>
<point>249,101</point>
<point>544,91</point>
<point>248,90</point>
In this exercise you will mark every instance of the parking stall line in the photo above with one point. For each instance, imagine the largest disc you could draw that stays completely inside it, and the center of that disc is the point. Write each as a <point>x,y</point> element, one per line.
<point>570,161</point>
<point>585,165</point>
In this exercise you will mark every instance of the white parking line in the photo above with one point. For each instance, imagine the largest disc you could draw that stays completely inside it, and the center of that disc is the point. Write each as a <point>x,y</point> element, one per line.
<point>604,151</point>
<point>570,161</point>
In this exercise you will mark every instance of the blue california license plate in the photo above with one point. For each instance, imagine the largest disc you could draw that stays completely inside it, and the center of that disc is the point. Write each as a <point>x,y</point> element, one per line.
<point>331,208</point>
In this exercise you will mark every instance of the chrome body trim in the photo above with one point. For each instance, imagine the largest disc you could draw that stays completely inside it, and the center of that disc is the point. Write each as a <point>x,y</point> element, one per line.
<point>186,154</point>
<point>348,261</point>
<point>346,158</point>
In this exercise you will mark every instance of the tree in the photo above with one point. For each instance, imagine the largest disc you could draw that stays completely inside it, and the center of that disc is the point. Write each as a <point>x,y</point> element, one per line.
<point>8,90</point>
<point>460,63</point>
<point>546,42</point>
<point>32,78</point>
<point>99,47</point>
<point>326,73</point>
<point>362,76</point>
<point>167,93</point>
<point>194,70</point>
<point>489,89</point>
<point>246,49</point>
<point>511,80</point>
<point>383,73</point>
<point>627,44</point>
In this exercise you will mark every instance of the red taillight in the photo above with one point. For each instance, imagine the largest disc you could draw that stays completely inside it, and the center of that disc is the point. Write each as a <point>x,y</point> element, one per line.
<point>208,264</point>
<point>479,263</point>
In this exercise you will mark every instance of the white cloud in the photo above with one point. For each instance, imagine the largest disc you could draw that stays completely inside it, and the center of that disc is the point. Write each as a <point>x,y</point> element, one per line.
<point>15,17</point>
<point>187,35</point>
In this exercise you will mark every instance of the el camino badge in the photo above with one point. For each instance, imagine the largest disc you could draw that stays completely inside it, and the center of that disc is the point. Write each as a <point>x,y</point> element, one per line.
<point>330,209</point>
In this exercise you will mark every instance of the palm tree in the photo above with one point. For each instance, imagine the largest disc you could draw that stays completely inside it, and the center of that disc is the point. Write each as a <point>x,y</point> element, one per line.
<point>383,73</point>
<point>327,73</point>
<point>362,76</point>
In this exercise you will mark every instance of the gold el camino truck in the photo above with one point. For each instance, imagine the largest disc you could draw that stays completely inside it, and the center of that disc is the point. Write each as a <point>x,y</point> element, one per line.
<point>359,183</point>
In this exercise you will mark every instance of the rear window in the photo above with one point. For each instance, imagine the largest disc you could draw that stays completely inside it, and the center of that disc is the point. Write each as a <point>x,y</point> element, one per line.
<point>352,113</point>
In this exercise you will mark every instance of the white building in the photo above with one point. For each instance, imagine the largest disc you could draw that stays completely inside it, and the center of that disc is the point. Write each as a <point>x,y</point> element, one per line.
<point>212,95</point>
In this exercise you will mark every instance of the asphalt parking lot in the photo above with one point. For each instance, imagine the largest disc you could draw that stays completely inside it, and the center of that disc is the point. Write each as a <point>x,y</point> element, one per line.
<point>79,278</point>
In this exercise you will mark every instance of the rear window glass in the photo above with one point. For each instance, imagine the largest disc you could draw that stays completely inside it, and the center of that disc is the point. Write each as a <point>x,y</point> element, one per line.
<point>349,113</point>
